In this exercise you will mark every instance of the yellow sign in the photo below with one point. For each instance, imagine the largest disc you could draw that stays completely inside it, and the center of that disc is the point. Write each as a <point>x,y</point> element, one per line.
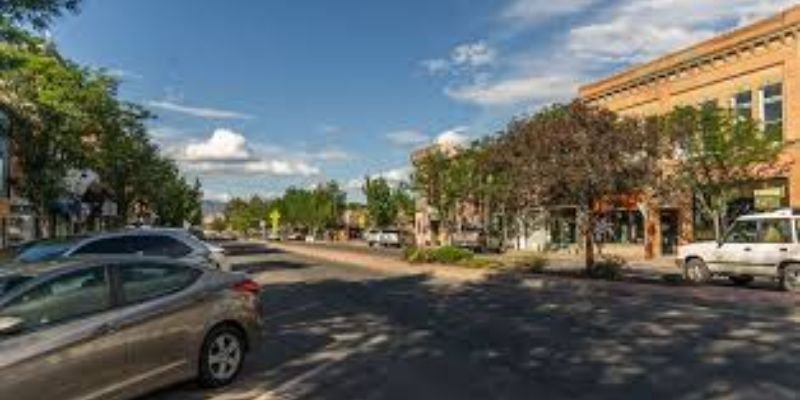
<point>275,220</point>
<point>768,199</point>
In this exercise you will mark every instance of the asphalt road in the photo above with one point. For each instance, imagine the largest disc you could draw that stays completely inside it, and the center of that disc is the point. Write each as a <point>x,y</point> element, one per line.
<point>341,332</point>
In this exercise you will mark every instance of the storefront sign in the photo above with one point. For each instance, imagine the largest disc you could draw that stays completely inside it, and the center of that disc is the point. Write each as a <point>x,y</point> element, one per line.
<point>768,199</point>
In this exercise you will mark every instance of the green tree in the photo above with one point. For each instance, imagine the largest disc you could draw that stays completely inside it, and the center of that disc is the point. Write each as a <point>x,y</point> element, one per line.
<point>382,204</point>
<point>579,155</point>
<point>716,152</point>
<point>38,14</point>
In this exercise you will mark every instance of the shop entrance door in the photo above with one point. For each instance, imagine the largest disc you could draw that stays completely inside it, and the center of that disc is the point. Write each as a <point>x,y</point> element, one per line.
<point>670,232</point>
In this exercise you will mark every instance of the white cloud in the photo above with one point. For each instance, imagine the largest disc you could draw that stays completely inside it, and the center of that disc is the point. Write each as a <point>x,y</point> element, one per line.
<point>641,30</point>
<point>454,137</point>
<point>515,90</point>
<point>539,10</point>
<point>252,167</point>
<point>408,138</point>
<point>223,145</point>
<point>332,154</point>
<point>465,56</point>
<point>202,112</point>
<point>228,153</point>
<point>223,197</point>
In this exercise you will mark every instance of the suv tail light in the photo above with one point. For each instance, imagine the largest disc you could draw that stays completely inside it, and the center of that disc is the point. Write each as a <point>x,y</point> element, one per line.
<point>248,286</point>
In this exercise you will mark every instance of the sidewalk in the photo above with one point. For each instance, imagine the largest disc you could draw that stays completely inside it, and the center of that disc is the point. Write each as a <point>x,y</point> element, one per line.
<point>558,264</point>
<point>384,263</point>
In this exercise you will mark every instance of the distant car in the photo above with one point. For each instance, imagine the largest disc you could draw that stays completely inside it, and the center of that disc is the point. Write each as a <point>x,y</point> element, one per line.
<point>163,242</point>
<point>295,236</point>
<point>758,245</point>
<point>385,237</point>
<point>119,328</point>
<point>274,237</point>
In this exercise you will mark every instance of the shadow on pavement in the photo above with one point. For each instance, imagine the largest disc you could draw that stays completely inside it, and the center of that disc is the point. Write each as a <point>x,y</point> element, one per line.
<point>402,338</point>
<point>265,266</point>
<point>243,249</point>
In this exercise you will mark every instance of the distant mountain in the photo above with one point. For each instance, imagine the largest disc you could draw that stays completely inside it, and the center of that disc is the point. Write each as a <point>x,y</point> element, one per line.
<point>212,207</point>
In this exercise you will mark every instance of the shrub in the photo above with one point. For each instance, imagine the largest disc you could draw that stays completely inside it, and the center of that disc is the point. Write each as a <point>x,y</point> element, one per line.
<point>416,255</point>
<point>451,255</point>
<point>480,263</point>
<point>443,255</point>
<point>609,267</point>
<point>534,264</point>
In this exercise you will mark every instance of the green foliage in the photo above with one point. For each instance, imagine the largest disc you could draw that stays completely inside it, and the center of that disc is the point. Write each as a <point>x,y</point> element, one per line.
<point>442,255</point>
<point>300,209</point>
<point>577,154</point>
<point>534,263</point>
<point>480,263</point>
<point>38,14</point>
<point>609,268</point>
<point>218,224</point>
<point>386,204</point>
<point>718,151</point>
<point>67,117</point>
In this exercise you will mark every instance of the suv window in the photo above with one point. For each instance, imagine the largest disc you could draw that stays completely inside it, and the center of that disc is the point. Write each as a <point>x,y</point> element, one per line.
<point>775,231</point>
<point>141,282</point>
<point>62,298</point>
<point>159,245</point>
<point>743,231</point>
<point>115,245</point>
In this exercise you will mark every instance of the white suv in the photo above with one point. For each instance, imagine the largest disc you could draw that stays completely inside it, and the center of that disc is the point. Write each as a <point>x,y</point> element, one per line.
<point>758,245</point>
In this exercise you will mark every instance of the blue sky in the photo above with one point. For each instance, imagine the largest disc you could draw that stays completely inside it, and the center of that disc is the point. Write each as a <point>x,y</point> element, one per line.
<point>255,95</point>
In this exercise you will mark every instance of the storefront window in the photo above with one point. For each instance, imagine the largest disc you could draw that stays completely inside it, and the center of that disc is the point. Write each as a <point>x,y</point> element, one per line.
<point>624,226</point>
<point>772,110</point>
<point>563,226</point>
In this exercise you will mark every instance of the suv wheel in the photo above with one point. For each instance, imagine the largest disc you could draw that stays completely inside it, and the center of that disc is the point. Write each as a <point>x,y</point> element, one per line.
<point>221,356</point>
<point>695,271</point>
<point>790,278</point>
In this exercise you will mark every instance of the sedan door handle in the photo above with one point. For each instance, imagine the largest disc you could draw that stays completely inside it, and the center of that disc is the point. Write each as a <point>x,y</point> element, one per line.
<point>784,249</point>
<point>748,249</point>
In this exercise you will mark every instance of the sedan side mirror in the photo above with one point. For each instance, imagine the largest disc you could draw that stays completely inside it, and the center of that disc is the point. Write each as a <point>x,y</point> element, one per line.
<point>720,242</point>
<point>11,325</point>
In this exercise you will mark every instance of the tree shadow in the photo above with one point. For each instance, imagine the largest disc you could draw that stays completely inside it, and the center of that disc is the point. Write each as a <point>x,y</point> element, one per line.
<point>266,266</point>
<point>513,338</point>
<point>244,249</point>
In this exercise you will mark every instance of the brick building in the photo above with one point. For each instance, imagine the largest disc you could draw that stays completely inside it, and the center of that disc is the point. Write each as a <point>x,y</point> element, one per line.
<point>754,70</point>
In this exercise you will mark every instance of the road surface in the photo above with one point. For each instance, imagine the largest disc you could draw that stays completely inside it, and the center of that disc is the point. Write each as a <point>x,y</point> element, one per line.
<point>342,332</point>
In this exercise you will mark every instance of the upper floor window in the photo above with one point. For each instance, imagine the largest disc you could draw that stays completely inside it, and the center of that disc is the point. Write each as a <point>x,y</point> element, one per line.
<point>743,105</point>
<point>772,110</point>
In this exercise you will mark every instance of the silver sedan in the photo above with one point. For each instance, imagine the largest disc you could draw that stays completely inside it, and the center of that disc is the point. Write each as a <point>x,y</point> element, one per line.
<point>117,328</point>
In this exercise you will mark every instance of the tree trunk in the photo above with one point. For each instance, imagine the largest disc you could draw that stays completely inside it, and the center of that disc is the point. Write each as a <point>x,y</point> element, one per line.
<point>589,239</point>
<point>717,225</point>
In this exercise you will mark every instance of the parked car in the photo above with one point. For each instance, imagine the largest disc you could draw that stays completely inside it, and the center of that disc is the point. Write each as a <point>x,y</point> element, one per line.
<point>295,236</point>
<point>759,245</point>
<point>164,242</point>
<point>385,237</point>
<point>111,327</point>
<point>477,240</point>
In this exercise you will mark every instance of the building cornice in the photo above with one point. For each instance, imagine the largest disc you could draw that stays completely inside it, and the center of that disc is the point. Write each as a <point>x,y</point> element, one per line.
<point>781,29</point>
